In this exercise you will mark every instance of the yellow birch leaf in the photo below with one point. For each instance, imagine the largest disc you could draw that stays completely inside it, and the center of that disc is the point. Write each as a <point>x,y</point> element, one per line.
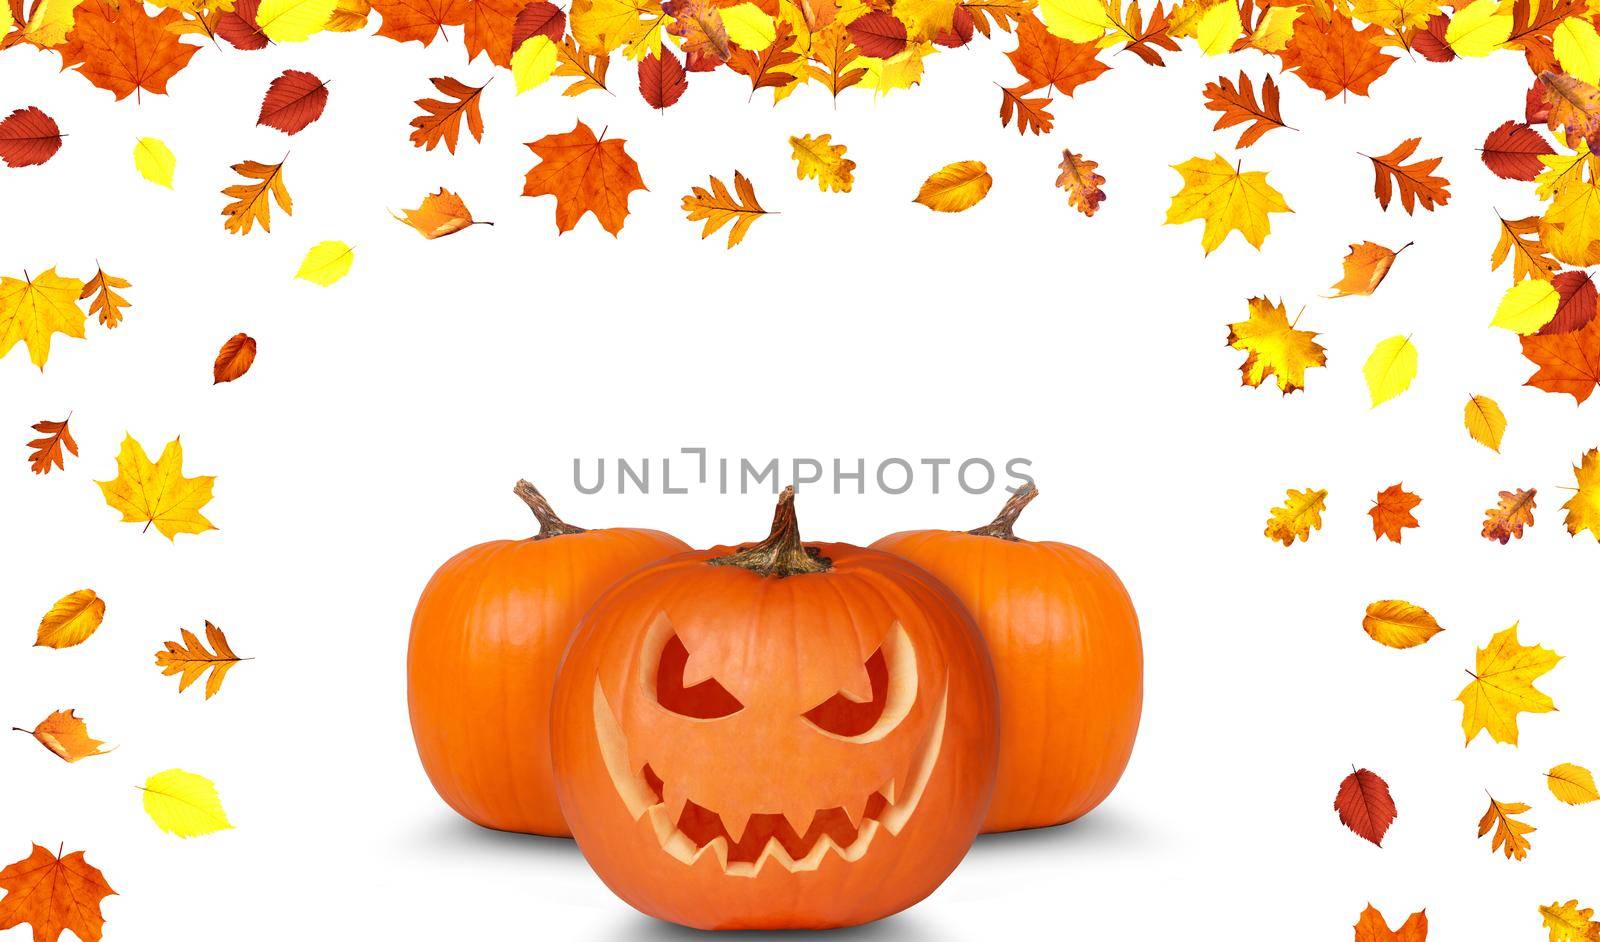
<point>6,22</point>
<point>154,161</point>
<point>1485,422</point>
<point>1583,507</point>
<point>1219,28</point>
<point>533,63</point>
<point>1398,624</point>
<point>1297,516</point>
<point>327,262</point>
<point>184,804</point>
<point>1527,306</point>
<point>1572,784</point>
<point>1478,28</point>
<point>65,734</point>
<point>1081,21</point>
<point>1390,369</point>
<point>158,494</point>
<point>1577,48</point>
<point>34,307</point>
<point>958,187</point>
<point>749,26</point>
<point>1502,687</point>
<point>1227,199</point>
<point>293,21</point>
<point>71,620</point>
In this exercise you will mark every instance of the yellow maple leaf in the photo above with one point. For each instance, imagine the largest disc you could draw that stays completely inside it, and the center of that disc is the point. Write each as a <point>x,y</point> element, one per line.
<point>1275,347</point>
<point>1570,226</point>
<point>1502,687</point>
<point>817,158</point>
<point>158,494</point>
<point>1227,199</point>
<point>1583,508</point>
<point>65,734</point>
<point>33,308</point>
<point>1399,624</point>
<point>1390,369</point>
<point>1572,784</point>
<point>71,621</point>
<point>184,803</point>
<point>1510,835</point>
<point>1485,422</point>
<point>1297,516</point>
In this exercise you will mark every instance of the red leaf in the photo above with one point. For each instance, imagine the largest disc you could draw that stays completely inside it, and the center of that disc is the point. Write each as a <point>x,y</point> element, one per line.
<point>539,18</point>
<point>1430,41</point>
<point>239,28</point>
<point>878,34</point>
<point>294,100</point>
<point>960,31</point>
<point>1537,108</point>
<point>1364,805</point>
<point>1512,151</point>
<point>234,359</point>
<point>28,137</point>
<point>1577,305</point>
<point>661,79</point>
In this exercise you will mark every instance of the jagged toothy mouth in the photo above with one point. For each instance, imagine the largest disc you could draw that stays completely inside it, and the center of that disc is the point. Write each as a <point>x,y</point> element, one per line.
<point>742,851</point>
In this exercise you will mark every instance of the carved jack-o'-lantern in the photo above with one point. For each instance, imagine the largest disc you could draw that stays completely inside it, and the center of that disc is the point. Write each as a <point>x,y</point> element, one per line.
<point>782,736</point>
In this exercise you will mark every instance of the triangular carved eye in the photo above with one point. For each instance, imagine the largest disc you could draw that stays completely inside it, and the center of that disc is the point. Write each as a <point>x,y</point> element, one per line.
<point>844,717</point>
<point>707,700</point>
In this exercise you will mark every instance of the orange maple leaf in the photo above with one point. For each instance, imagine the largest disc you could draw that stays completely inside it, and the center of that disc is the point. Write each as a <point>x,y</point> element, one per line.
<point>1046,61</point>
<point>1568,363</point>
<point>489,25</point>
<point>586,175</point>
<point>418,20</point>
<point>441,120</point>
<point>1372,927</point>
<point>54,894</point>
<point>48,450</point>
<point>1507,518</point>
<point>123,49</point>
<point>1333,57</point>
<point>1415,181</point>
<point>1237,105</point>
<point>1391,512</point>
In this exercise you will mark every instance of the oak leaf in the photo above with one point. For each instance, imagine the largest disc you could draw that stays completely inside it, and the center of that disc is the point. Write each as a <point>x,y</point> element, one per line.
<point>184,804</point>
<point>104,302</point>
<point>1512,151</point>
<point>71,621</point>
<point>818,158</point>
<point>1227,199</point>
<point>1572,784</point>
<point>1399,624</point>
<point>1502,687</point>
<point>1391,512</point>
<point>293,101</point>
<point>252,202</point>
<point>51,449</point>
<point>662,80</point>
<point>956,187</point>
<point>1297,516</point>
<point>1415,181</point>
<point>1485,422</point>
<point>1568,363</point>
<point>717,207</point>
<point>191,659</point>
<point>1237,104</point>
<point>54,895</point>
<point>1568,923</point>
<point>234,360</point>
<point>1574,105</point>
<point>158,494</point>
<point>28,137</point>
<point>1510,835</point>
<point>1082,183</point>
<point>64,733</point>
<point>1274,347</point>
<point>1372,927</point>
<point>1507,518</point>
<point>441,214</point>
<point>1364,805</point>
<point>121,48</point>
<point>441,118</point>
<point>34,308</point>
<point>1583,507</point>
<point>586,175</point>
<point>1334,58</point>
<point>418,20</point>
<point>1390,369</point>
<point>1365,267</point>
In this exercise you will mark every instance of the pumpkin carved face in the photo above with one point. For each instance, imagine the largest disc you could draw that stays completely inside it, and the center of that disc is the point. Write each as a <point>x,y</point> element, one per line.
<point>738,749</point>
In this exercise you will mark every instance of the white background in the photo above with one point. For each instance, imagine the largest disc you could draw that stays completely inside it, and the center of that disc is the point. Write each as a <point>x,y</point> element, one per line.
<point>388,416</point>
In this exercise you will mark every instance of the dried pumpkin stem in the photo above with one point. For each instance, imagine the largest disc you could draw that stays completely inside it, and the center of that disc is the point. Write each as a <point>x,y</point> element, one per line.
<point>549,524</point>
<point>1007,518</point>
<point>782,553</point>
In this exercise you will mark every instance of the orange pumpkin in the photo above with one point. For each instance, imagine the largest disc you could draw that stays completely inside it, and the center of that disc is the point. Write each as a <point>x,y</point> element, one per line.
<point>486,641</point>
<point>782,736</point>
<point>1065,643</point>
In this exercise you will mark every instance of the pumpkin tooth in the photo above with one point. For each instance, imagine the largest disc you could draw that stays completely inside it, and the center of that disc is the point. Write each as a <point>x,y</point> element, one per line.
<point>673,800</point>
<point>776,851</point>
<point>858,847</point>
<point>895,816</point>
<point>718,848</point>
<point>799,820</point>
<point>813,858</point>
<point>888,791</point>
<point>855,810</point>
<point>734,822</point>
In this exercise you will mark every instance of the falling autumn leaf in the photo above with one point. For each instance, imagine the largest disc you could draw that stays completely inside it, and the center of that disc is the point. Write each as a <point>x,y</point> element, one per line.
<point>1372,927</point>
<point>38,890</point>
<point>585,174</point>
<point>158,494</point>
<point>104,302</point>
<point>53,447</point>
<point>956,188</point>
<point>441,214</point>
<point>1390,369</point>
<point>192,659</point>
<point>1364,805</point>
<point>1333,57</point>
<point>71,621</point>
<point>1568,363</point>
<point>771,66</point>
<point>234,360</point>
<point>1365,267</point>
<point>1275,347</point>
<point>293,21</point>
<point>1510,835</point>
<point>1227,198</point>
<point>1568,923</point>
<point>293,101</point>
<point>239,27</point>
<point>441,118</point>
<point>818,158</point>
<point>34,307</point>
<point>1478,28</point>
<point>1391,512</point>
<point>662,80</point>
<point>1502,687</point>
<point>539,18</point>
<point>717,207</point>
<point>1507,518</point>
<point>877,34</point>
<point>1531,259</point>
<point>1572,784</point>
<point>1297,517</point>
<point>1574,105</point>
<point>1578,301</point>
<point>1527,306</point>
<point>1082,184</point>
<point>535,62</point>
<point>1236,104</point>
<point>252,202</point>
<point>1485,422</point>
<point>326,262</point>
<point>1415,181</point>
<point>65,734</point>
<point>122,48</point>
<point>1512,151</point>
<point>1049,63</point>
<point>587,68</point>
<point>154,161</point>
<point>1398,624</point>
<point>418,20</point>
<point>28,137</point>
<point>1583,507</point>
<point>184,804</point>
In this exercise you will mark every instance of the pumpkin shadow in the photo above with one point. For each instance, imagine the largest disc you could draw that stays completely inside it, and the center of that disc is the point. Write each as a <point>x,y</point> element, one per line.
<point>1101,828</point>
<point>454,833</point>
<point>896,928</point>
